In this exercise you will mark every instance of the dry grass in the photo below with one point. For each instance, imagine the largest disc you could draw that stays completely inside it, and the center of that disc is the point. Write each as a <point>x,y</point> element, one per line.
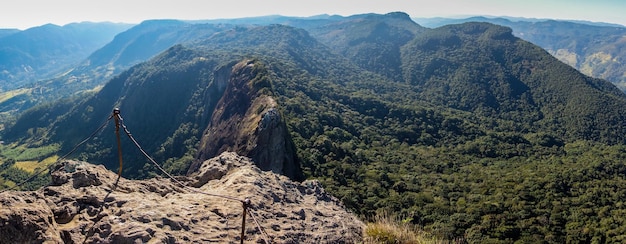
<point>388,230</point>
<point>9,184</point>
<point>50,160</point>
<point>28,166</point>
<point>31,166</point>
<point>12,93</point>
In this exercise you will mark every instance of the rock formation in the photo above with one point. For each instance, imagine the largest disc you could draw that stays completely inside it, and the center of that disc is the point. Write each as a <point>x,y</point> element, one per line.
<point>79,207</point>
<point>247,120</point>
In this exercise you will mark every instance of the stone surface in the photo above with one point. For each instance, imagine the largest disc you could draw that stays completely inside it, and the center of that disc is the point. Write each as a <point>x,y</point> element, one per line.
<point>78,207</point>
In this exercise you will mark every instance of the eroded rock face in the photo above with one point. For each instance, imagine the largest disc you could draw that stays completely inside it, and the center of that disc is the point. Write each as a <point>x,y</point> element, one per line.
<point>79,207</point>
<point>247,120</point>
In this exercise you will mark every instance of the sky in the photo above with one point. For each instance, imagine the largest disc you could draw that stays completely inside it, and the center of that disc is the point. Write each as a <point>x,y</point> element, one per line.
<point>23,14</point>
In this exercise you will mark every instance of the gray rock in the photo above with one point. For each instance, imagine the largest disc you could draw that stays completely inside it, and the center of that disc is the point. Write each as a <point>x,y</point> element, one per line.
<point>79,207</point>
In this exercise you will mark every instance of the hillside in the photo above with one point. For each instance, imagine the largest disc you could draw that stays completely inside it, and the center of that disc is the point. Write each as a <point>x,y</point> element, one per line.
<point>190,83</point>
<point>594,49</point>
<point>89,73</point>
<point>46,51</point>
<point>484,137</point>
<point>371,41</point>
<point>6,32</point>
<point>510,79</point>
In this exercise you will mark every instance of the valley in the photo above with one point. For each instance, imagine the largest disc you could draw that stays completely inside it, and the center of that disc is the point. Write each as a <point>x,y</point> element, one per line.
<point>466,130</point>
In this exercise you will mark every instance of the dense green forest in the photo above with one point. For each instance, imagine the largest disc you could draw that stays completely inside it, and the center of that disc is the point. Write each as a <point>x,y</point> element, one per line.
<point>596,49</point>
<point>481,137</point>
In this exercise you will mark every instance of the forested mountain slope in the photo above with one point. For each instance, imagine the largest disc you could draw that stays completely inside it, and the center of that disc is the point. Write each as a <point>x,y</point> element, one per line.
<point>597,50</point>
<point>371,41</point>
<point>188,82</point>
<point>508,78</point>
<point>135,45</point>
<point>485,137</point>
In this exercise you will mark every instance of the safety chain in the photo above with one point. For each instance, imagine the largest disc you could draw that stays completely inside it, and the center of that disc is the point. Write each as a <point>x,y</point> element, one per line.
<point>119,123</point>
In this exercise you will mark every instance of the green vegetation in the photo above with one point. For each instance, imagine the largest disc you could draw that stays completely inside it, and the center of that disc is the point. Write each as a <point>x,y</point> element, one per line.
<point>76,42</point>
<point>18,163</point>
<point>487,147</point>
<point>22,153</point>
<point>483,137</point>
<point>372,44</point>
<point>596,50</point>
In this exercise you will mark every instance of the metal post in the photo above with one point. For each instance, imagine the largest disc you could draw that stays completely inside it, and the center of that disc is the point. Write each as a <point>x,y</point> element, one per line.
<point>116,116</point>
<point>245,204</point>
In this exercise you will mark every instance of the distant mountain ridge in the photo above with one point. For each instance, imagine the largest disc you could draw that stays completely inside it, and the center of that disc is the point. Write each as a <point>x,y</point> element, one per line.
<point>596,49</point>
<point>435,22</point>
<point>140,43</point>
<point>6,32</point>
<point>44,51</point>
<point>371,41</point>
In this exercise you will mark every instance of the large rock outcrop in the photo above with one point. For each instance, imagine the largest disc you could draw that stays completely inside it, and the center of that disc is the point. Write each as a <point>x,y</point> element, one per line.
<point>247,120</point>
<point>78,207</point>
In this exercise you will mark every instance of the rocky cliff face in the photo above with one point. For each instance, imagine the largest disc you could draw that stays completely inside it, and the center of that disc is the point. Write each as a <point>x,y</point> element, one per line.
<point>78,207</point>
<point>247,120</point>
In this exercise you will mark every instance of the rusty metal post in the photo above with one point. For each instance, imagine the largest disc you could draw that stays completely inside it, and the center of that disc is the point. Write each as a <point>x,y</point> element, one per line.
<point>245,204</point>
<point>116,116</point>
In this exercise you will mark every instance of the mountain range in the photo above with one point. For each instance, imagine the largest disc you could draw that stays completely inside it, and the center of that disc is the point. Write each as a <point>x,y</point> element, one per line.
<point>571,42</point>
<point>49,50</point>
<point>464,129</point>
<point>595,49</point>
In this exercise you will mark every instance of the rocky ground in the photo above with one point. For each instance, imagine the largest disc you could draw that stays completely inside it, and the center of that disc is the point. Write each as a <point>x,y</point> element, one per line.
<point>79,207</point>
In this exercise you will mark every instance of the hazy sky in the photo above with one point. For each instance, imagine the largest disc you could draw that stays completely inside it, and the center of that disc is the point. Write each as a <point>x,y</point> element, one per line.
<point>23,14</point>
